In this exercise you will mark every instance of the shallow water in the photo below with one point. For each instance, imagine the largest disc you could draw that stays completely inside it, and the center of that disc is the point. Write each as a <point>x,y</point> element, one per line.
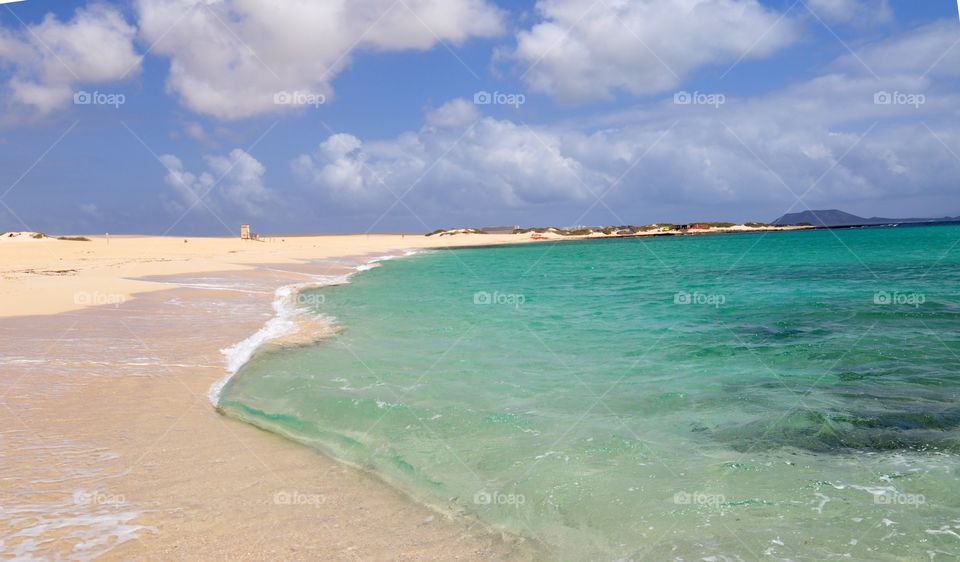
<point>789,395</point>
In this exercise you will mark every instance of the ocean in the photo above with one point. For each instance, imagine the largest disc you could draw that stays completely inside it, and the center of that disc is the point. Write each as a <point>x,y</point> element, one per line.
<point>789,395</point>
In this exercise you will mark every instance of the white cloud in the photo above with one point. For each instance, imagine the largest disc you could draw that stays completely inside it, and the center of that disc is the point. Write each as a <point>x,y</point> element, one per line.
<point>236,181</point>
<point>491,163</point>
<point>228,58</point>
<point>583,50</point>
<point>192,190</point>
<point>51,58</point>
<point>339,166</point>
<point>455,113</point>
<point>930,50</point>
<point>242,183</point>
<point>691,161</point>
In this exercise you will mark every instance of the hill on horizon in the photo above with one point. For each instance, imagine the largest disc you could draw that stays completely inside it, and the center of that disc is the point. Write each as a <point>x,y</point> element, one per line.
<point>836,217</point>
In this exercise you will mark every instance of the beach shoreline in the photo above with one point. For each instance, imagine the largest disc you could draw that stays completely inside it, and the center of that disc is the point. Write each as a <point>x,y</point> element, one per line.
<point>112,448</point>
<point>106,318</point>
<point>174,479</point>
<point>50,276</point>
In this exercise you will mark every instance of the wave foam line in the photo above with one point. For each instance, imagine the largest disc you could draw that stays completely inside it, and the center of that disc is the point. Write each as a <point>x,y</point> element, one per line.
<point>283,324</point>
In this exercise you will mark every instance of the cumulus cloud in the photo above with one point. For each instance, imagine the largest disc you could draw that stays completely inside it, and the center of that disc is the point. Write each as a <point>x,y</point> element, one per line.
<point>234,181</point>
<point>487,162</point>
<point>826,140</point>
<point>229,58</point>
<point>582,50</point>
<point>51,58</point>
<point>242,180</point>
<point>193,191</point>
<point>339,165</point>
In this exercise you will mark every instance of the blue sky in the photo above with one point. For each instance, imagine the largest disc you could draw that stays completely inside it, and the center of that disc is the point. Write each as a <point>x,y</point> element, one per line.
<point>847,104</point>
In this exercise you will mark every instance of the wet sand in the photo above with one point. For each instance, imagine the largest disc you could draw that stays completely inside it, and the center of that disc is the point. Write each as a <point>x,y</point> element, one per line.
<point>112,449</point>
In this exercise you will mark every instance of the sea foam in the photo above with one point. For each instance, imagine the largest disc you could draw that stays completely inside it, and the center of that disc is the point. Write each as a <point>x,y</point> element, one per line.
<point>283,324</point>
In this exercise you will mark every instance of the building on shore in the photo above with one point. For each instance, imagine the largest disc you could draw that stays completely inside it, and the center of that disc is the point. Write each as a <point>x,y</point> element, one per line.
<point>500,229</point>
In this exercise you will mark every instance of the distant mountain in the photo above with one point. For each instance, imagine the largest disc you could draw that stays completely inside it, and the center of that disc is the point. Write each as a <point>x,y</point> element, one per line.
<point>831,217</point>
<point>834,217</point>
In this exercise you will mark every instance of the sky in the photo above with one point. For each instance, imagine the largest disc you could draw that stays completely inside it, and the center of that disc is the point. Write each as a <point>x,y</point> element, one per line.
<point>187,117</point>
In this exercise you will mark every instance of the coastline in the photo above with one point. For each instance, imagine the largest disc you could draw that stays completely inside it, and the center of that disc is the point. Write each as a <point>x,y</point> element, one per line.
<point>270,337</point>
<point>173,478</point>
<point>113,450</point>
<point>154,349</point>
<point>50,276</point>
<point>288,322</point>
<point>312,412</point>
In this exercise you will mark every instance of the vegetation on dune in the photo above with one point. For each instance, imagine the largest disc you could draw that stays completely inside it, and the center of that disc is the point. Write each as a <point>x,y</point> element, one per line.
<point>624,229</point>
<point>40,236</point>
<point>452,231</point>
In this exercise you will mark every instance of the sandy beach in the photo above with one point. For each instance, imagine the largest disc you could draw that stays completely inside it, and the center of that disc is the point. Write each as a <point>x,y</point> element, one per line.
<point>48,276</point>
<point>111,446</point>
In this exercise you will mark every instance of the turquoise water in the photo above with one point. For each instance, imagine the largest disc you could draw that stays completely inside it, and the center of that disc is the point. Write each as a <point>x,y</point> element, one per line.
<point>783,395</point>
